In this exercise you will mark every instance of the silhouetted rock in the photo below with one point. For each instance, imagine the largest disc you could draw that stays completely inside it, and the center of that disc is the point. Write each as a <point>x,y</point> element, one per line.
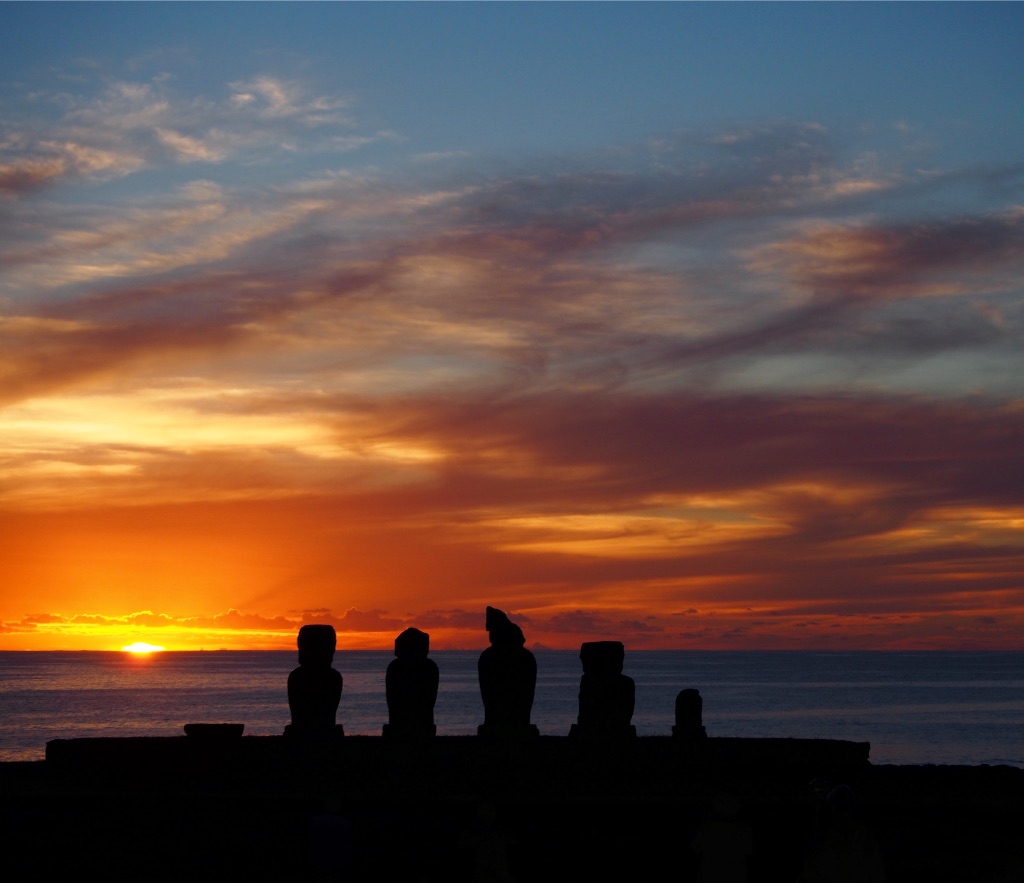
<point>689,711</point>
<point>411,685</point>
<point>607,696</point>
<point>314,688</point>
<point>508,679</point>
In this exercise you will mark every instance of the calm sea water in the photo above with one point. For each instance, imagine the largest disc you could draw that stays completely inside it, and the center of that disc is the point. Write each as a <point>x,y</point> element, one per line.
<point>954,708</point>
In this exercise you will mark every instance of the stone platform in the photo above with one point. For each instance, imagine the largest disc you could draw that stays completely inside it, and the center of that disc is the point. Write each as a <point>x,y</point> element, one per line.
<point>244,808</point>
<point>453,766</point>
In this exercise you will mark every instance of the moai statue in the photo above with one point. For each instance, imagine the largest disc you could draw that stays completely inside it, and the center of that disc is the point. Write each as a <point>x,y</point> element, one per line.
<point>508,678</point>
<point>411,684</point>
<point>314,688</point>
<point>689,709</point>
<point>607,696</point>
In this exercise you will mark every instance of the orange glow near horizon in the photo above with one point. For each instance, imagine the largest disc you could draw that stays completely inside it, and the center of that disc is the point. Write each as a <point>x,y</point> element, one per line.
<point>227,575</point>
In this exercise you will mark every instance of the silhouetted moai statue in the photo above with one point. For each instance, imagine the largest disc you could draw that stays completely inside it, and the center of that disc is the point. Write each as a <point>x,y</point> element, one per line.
<point>314,688</point>
<point>689,709</point>
<point>411,685</point>
<point>607,696</point>
<point>508,679</point>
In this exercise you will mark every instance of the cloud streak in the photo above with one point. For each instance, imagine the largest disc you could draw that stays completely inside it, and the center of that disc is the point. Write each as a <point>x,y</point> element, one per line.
<point>737,386</point>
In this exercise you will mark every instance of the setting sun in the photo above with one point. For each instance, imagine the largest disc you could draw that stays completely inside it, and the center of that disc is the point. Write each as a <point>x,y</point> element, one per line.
<point>142,647</point>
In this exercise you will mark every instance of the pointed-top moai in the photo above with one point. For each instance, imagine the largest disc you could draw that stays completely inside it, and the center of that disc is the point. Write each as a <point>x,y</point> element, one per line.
<point>314,688</point>
<point>607,696</point>
<point>411,685</point>
<point>508,679</point>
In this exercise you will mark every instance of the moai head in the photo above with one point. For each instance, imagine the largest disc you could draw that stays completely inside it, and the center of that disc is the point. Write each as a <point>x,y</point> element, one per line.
<point>602,658</point>
<point>316,645</point>
<point>412,644</point>
<point>502,631</point>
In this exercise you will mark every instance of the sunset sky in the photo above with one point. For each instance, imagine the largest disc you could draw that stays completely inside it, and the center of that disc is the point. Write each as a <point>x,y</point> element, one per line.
<point>690,326</point>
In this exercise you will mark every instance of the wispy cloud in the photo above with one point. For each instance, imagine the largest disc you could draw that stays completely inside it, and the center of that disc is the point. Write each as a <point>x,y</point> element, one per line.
<point>132,126</point>
<point>757,376</point>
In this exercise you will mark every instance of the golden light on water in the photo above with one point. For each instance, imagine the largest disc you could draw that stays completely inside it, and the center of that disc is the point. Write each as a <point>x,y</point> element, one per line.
<point>142,647</point>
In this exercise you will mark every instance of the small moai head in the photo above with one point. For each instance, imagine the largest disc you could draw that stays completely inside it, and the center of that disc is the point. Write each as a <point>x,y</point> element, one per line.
<point>412,644</point>
<point>316,645</point>
<point>502,631</point>
<point>689,709</point>
<point>602,658</point>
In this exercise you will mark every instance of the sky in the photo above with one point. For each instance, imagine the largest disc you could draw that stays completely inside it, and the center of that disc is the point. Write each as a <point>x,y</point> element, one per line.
<point>692,326</point>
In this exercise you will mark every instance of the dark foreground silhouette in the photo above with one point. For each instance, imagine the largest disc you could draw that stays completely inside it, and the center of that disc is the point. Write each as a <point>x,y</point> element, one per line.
<point>691,807</point>
<point>650,808</point>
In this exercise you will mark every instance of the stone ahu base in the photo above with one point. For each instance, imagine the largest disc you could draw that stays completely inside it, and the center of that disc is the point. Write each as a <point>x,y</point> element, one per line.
<point>216,805</point>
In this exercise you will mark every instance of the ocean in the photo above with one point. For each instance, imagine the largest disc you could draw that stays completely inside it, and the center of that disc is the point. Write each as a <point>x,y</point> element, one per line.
<point>913,707</point>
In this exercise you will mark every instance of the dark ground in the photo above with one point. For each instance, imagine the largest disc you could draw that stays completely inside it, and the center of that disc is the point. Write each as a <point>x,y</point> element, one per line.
<point>246,809</point>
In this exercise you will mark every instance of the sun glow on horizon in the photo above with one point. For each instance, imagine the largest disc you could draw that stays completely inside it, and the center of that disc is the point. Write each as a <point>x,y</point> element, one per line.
<point>142,647</point>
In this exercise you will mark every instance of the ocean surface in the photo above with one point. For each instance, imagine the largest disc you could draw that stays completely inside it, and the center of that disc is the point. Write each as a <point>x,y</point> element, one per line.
<point>914,708</point>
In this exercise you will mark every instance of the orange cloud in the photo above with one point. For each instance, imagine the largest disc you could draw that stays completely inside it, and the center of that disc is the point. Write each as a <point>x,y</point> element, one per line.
<point>697,394</point>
